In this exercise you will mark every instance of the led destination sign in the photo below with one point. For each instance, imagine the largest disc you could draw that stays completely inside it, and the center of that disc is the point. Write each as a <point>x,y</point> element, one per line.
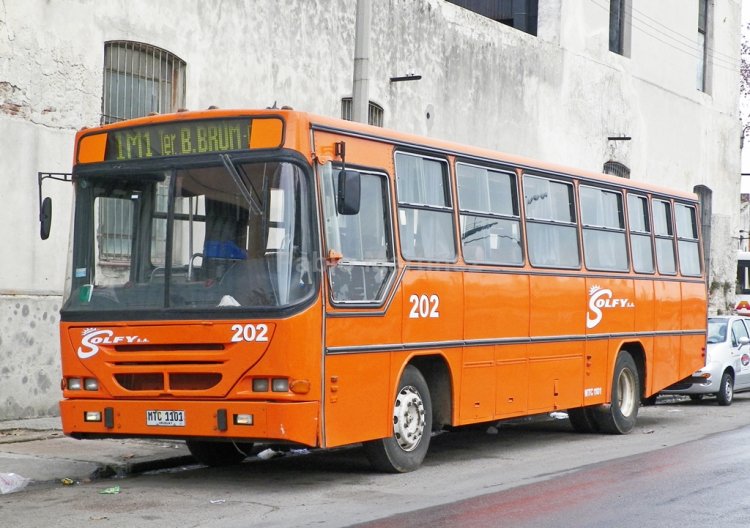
<point>178,139</point>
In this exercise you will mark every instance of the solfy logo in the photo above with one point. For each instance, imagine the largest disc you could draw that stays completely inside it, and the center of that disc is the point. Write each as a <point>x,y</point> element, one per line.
<point>602,298</point>
<point>92,338</point>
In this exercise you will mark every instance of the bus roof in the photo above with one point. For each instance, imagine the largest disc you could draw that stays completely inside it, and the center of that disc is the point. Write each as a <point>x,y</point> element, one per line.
<point>301,121</point>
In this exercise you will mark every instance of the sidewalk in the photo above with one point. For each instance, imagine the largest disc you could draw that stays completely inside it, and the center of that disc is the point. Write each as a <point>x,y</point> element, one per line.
<point>37,449</point>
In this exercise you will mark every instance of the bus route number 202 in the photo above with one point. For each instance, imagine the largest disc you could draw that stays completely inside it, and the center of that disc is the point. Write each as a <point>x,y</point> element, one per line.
<point>249,332</point>
<point>423,306</point>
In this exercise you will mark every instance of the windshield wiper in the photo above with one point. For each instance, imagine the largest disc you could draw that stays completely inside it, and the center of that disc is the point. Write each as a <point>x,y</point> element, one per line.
<point>238,182</point>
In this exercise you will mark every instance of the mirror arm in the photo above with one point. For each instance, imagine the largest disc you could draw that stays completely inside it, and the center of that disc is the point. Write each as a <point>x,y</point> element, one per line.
<point>340,151</point>
<point>58,176</point>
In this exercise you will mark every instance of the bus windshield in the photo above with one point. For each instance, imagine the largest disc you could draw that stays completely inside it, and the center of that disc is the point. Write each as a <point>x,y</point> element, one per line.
<point>222,237</point>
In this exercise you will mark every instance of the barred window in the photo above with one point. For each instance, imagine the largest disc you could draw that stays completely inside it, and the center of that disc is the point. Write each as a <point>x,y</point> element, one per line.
<point>616,168</point>
<point>139,79</point>
<point>374,112</point>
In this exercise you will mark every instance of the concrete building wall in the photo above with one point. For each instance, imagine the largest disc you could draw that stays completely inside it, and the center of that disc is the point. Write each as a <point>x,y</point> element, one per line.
<point>557,96</point>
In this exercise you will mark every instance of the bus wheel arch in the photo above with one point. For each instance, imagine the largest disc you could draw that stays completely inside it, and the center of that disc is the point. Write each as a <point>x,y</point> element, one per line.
<point>437,375</point>
<point>638,354</point>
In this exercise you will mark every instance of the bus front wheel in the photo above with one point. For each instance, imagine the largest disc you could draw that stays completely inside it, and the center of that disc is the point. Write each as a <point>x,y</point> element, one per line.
<point>620,416</point>
<point>406,448</point>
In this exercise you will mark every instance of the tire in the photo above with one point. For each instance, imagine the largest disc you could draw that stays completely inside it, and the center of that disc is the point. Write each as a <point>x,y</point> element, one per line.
<point>695,397</point>
<point>725,396</point>
<point>583,420</point>
<point>217,454</point>
<point>620,416</point>
<point>406,448</point>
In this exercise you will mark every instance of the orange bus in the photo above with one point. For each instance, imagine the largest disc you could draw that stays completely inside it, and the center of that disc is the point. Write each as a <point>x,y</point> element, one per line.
<point>275,277</point>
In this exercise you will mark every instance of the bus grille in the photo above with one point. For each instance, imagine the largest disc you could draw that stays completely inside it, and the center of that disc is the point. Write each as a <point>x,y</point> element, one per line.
<point>178,381</point>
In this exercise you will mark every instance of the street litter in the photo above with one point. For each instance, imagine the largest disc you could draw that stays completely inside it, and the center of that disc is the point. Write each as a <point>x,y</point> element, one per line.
<point>67,481</point>
<point>114,490</point>
<point>299,452</point>
<point>218,501</point>
<point>492,430</point>
<point>268,453</point>
<point>11,482</point>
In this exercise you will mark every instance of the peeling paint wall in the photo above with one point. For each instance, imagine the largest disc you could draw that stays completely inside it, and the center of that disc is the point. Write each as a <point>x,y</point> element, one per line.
<point>556,97</point>
<point>29,363</point>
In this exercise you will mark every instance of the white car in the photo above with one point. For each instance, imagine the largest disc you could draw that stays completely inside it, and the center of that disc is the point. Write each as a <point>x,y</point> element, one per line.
<point>727,367</point>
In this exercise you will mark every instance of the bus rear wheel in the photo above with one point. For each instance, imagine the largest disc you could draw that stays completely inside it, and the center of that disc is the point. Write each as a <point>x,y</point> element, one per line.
<point>406,448</point>
<point>583,420</point>
<point>217,454</point>
<point>620,416</point>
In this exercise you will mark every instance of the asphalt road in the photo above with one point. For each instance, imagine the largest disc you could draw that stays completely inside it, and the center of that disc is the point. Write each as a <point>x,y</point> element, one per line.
<point>684,464</point>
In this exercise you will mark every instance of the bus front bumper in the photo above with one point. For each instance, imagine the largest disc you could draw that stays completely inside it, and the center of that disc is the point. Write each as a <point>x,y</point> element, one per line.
<point>262,421</point>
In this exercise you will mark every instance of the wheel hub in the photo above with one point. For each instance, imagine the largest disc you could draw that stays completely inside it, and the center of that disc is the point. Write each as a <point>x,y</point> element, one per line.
<point>408,418</point>
<point>626,392</point>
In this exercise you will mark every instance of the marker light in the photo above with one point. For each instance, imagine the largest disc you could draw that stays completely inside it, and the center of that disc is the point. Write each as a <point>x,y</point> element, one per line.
<point>74,383</point>
<point>243,419</point>
<point>91,384</point>
<point>92,416</point>
<point>280,385</point>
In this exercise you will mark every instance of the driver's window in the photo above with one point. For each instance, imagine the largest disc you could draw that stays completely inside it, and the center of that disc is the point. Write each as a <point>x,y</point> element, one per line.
<point>364,240</point>
<point>738,331</point>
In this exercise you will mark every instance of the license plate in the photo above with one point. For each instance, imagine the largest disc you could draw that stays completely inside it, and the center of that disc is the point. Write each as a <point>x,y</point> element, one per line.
<point>166,418</point>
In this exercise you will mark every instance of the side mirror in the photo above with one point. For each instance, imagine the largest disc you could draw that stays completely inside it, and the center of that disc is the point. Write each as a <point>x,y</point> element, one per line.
<point>349,193</point>
<point>744,340</point>
<point>45,218</point>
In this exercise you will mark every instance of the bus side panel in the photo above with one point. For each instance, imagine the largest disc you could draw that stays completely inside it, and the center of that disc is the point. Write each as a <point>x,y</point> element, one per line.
<point>497,306</point>
<point>477,385</point>
<point>557,310</point>
<point>366,330</point>
<point>358,397</point>
<point>644,322</point>
<point>597,372</point>
<point>557,306</point>
<point>694,317</point>
<point>494,379</point>
<point>556,374</point>
<point>512,371</point>
<point>667,314</point>
<point>433,306</point>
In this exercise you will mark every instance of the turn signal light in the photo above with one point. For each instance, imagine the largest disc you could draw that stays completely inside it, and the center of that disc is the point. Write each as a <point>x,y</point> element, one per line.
<point>300,386</point>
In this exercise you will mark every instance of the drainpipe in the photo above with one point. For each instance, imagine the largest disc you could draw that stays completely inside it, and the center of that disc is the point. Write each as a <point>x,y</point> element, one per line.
<point>360,88</point>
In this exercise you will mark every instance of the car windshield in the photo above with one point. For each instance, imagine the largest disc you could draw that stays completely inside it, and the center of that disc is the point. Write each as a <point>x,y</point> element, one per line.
<point>717,330</point>
<point>222,237</point>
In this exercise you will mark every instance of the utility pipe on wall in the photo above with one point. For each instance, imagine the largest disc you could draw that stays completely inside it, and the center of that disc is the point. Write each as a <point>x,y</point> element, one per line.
<point>361,88</point>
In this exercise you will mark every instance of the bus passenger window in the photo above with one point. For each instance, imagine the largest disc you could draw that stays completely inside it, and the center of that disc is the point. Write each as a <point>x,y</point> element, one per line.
<point>364,240</point>
<point>551,223</point>
<point>665,256</point>
<point>425,212</point>
<point>490,225</point>
<point>603,219</point>
<point>640,234</point>
<point>687,240</point>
